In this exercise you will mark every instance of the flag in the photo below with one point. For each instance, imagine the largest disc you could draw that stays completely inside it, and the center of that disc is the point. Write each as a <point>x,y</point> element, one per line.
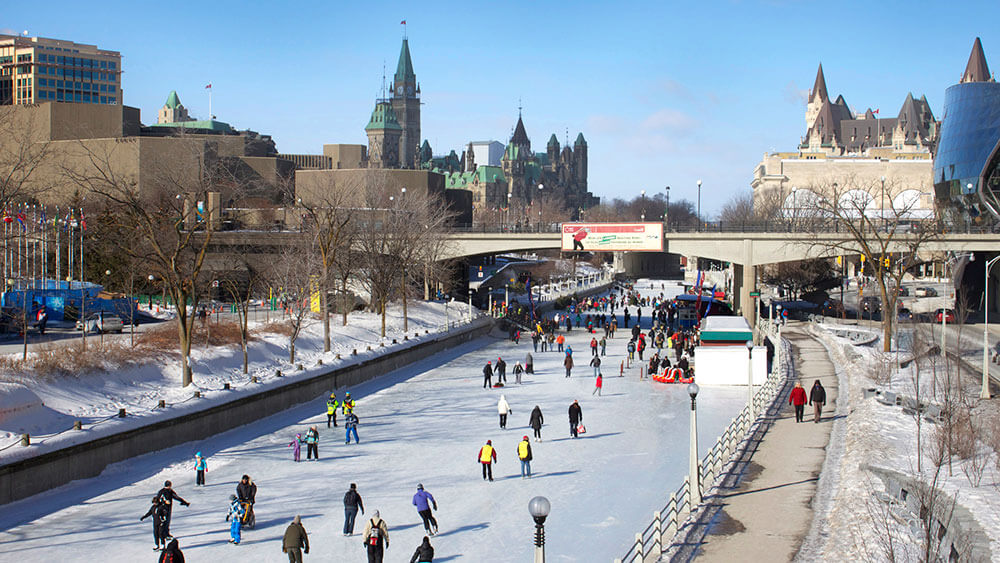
<point>20,219</point>
<point>875,111</point>
<point>209,86</point>
<point>402,22</point>
<point>83,220</point>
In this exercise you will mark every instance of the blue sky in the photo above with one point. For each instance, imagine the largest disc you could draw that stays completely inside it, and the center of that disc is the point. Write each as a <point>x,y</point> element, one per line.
<point>665,92</point>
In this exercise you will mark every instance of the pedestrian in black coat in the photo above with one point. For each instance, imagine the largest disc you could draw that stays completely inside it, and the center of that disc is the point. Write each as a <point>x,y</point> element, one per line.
<point>159,513</point>
<point>501,371</point>
<point>167,496</point>
<point>575,418</point>
<point>172,554</point>
<point>488,375</point>
<point>817,398</point>
<point>424,552</point>
<point>536,421</point>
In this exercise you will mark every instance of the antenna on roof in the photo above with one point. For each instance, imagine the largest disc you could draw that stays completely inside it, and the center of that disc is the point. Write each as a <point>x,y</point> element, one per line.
<point>519,107</point>
<point>383,78</point>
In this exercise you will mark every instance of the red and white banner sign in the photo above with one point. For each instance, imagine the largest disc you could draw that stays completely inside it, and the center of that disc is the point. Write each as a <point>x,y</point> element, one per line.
<point>608,237</point>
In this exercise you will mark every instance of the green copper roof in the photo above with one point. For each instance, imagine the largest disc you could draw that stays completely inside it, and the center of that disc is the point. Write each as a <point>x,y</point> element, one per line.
<point>404,69</point>
<point>580,141</point>
<point>511,152</point>
<point>383,118</point>
<point>457,180</point>
<point>542,158</point>
<point>194,126</point>
<point>553,142</point>
<point>172,100</point>
<point>488,174</point>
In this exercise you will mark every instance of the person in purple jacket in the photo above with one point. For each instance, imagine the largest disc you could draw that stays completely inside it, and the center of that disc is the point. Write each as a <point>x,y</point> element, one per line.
<point>422,500</point>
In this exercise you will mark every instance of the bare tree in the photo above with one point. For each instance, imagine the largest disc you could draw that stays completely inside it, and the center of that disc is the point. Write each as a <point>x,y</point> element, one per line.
<point>889,240</point>
<point>170,228</point>
<point>244,280</point>
<point>739,210</point>
<point>295,274</point>
<point>379,268</point>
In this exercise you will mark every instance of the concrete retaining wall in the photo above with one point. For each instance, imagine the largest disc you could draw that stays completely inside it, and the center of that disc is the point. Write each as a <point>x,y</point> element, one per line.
<point>44,472</point>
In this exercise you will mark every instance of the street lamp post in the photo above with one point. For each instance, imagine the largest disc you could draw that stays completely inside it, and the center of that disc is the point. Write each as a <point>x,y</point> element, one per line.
<point>540,187</point>
<point>881,208</point>
<point>750,408</point>
<point>507,222</point>
<point>666,214</point>
<point>984,393</point>
<point>539,508</point>
<point>699,205</point>
<point>795,206</point>
<point>694,476</point>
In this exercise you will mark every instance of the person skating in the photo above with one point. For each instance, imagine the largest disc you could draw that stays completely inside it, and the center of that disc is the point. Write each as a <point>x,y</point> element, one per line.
<point>560,341</point>
<point>593,346</point>
<point>488,375</point>
<point>312,443</point>
<point>518,371</point>
<point>331,409</point>
<point>595,362</point>
<point>604,344</point>
<point>235,519</point>
<point>351,426</point>
<point>568,364</point>
<point>167,497</point>
<point>501,371</point>
<point>376,538</point>
<point>817,398</point>
<point>575,418</point>
<point>172,554</point>
<point>524,454</point>
<point>503,408</point>
<point>630,348</point>
<point>424,552</point>
<point>295,540</point>
<point>598,384</point>
<point>158,511</point>
<point>348,404</point>
<point>536,421</point>
<point>296,446</point>
<point>352,503</point>
<point>798,398</point>
<point>246,490</point>
<point>487,457</point>
<point>200,468</point>
<point>529,364</point>
<point>423,501</point>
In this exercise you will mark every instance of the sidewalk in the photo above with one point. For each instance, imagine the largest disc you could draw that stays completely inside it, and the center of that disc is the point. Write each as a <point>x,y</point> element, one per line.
<point>763,509</point>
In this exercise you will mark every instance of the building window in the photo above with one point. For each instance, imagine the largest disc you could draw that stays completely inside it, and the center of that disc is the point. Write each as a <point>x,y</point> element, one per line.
<point>104,64</point>
<point>77,97</point>
<point>111,88</point>
<point>59,95</point>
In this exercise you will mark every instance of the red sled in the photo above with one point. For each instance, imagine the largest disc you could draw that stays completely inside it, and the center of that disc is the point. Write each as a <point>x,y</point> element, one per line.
<point>581,429</point>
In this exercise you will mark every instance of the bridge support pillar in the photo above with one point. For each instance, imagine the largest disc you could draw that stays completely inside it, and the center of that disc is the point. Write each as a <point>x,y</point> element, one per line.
<point>744,282</point>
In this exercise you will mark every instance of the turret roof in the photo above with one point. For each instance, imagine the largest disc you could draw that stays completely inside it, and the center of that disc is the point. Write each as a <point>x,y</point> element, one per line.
<point>819,87</point>
<point>404,68</point>
<point>553,142</point>
<point>173,102</point>
<point>580,141</point>
<point>383,117</point>
<point>520,137</point>
<point>976,70</point>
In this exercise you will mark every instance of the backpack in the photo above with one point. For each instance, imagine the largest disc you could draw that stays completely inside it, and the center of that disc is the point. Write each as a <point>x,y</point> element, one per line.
<point>376,534</point>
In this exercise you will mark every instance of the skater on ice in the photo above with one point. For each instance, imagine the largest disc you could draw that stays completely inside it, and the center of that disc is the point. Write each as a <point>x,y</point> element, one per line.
<point>160,517</point>
<point>524,454</point>
<point>296,446</point>
<point>376,538</point>
<point>536,421</point>
<point>235,519</point>
<point>167,497</point>
<point>352,503</point>
<point>351,427</point>
<point>487,457</point>
<point>331,410</point>
<point>503,409</point>
<point>424,552</point>
<point>312,443</point>
<point>295,540</point>
<point>200,468</point>
<point>423,500</point>
<point>488,375</point>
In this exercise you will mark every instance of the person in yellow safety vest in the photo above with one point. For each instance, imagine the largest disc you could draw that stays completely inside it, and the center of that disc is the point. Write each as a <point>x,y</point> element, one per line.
<point>348,404</point>
<point>331,409</point>
<point>487,456</point>
<point>524,454</point>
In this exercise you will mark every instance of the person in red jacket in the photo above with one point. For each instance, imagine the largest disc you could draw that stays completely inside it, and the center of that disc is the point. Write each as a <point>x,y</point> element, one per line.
<point>798,398</point>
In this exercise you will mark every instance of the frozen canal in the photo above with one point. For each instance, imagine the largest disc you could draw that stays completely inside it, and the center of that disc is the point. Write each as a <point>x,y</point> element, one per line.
<point>421,424</point>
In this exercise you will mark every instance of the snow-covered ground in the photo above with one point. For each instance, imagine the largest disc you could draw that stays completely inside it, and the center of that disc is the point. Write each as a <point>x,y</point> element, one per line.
<point>885,436</point>
<point>423,424</point>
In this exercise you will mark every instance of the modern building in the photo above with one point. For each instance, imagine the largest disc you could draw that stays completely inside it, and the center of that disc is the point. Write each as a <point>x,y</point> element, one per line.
<point>864,161</point>
<point>483,153</point>
<point>967,160</point>
<point>36,69</point>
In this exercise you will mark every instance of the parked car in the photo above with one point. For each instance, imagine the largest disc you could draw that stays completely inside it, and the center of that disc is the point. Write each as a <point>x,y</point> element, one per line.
<point>904,291</point>
<point>925,292</point>
<point>905,315</point>
<point>102,321</point>
<point>949,316</point>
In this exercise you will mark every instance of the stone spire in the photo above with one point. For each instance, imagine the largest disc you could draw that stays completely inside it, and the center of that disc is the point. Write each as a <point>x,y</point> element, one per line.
<point>976,70</point>
<point>819,87</point>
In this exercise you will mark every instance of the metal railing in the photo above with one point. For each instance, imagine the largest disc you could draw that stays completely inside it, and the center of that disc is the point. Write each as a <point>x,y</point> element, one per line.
<point>649,544</point>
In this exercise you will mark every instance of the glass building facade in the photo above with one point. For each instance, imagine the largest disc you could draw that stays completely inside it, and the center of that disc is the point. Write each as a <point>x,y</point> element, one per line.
<point>970,131</point>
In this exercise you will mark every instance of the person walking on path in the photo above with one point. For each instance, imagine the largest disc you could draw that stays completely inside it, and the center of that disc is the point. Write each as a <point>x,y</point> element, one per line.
<point>487,457</point>
<point>593,346</point>
<point>503,408</point>
<point>560,340</point>
<point>172,554</point>
<point>424,552</point>
<point>295,540</point>
<point>296,446</point>
<point>534,340</point>
<point>595,362</point>
<point>200,468</point>
<point>604,345</point>
<point>158,511</point>
<point>331,409</point>
<point>529,364</point>
<point>501,371</point>
<point>536,421</point>
<point>167,496</point>
<point>423,501</point>
<point>630,348</point>
<point>488,375</point>
<point>798,398</point>
<point>312,443</point>
<point>568,364</point>
<point>598,384</point>
<point>352,502</point>
<point>524,454</point>
<point>817,398</point>
<point>518,371</point>
<point>376,538</point>
<point>569,350</point>
<point>351,427</point>
<point>575,418</point>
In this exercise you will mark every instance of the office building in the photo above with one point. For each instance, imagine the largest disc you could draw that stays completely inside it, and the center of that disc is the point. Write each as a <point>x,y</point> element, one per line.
<point>36,70</point>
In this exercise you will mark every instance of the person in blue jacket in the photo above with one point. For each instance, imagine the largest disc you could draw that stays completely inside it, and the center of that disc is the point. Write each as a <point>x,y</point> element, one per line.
<point>235,518</point>
<point>200,467</point>
<point>351,424</point>
<point>423,501</point>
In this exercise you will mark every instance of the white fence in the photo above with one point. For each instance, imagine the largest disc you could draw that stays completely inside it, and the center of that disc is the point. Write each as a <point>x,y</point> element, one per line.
<point>649,544</point>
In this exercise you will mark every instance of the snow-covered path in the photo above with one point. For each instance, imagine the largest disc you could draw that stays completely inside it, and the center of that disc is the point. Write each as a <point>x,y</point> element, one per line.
<point>423,424</point>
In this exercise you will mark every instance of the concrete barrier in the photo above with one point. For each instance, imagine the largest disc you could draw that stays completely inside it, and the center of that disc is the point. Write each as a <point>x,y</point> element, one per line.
<point>41,473</point>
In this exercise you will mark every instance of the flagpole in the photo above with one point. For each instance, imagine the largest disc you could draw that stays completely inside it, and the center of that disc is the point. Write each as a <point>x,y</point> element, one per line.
<point>58,270</point>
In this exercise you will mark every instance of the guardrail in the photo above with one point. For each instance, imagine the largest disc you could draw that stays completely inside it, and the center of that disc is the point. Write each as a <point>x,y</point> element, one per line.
<point>648,545</point>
